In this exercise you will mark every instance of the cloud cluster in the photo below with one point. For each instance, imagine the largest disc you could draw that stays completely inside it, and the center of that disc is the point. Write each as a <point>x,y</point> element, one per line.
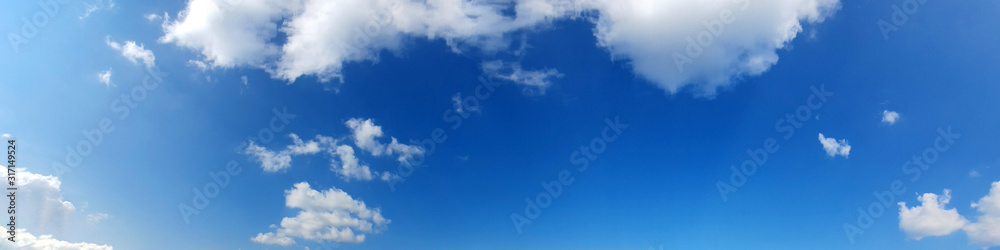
<point>331,216</point>
<point>931,219</point>
<point>364,134</point>
<point>835,147</point>
<point>672,43</point>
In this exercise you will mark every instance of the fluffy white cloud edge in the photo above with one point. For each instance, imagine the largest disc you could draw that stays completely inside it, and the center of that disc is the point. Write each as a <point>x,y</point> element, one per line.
<point>330,215</point>
<point>834,147</point>
<point>674,44</point>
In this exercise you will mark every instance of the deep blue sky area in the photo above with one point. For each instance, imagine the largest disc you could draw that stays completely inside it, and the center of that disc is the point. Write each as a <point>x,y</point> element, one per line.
<point>654,187</point>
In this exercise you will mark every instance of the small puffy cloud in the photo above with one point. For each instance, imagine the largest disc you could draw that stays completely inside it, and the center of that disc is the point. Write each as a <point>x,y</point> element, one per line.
<point>974,173</point>
<point>244,80</point>
<point>538,80</point>
<point>198,64</point>
<point>364,133</point>
<point>889,117</point>
<point>105,77</point>
<point>6,135</point>
<point>28,241</point>
<point>834,147</point>
<point>270,161</point>
<point>135,53</point>
<point>330,215</point>
<point>930,218</point>
<point>95,218</point>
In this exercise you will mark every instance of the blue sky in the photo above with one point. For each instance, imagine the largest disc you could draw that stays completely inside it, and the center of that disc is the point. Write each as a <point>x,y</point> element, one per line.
<point>556,72</point>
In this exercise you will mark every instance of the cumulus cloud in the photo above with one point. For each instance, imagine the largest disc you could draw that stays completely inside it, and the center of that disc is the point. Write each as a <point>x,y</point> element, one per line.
<point>28,241</point>
<point>135,53</point>
<point>674,44</point>
<point>6,135</point>
<point>930,218</point>
<point>42,193</point>
<point>44,210</point>
<point>889,117</point>
<point>105,77</point>
<point>331,215</point>
<point>985,232</point>
<point>834,147</point>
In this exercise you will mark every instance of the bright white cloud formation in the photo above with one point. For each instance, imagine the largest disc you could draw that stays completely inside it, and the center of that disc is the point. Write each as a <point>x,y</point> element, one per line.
<point>889,117</point>
<point>930,218</point>
<point>331,215</point>
<point>343,159</point>
<point>105,77</point>
<point>674,44</point>
<point>834,147</point>
<point>43,209</point>
<point>42,194</point>
<point>28,241</point>
<point>985,232</point>
<point>97,5</point>
<point>135,53</point>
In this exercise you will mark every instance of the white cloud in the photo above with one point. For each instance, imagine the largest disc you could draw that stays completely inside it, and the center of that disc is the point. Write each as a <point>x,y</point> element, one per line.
<point>889,117</point>
<point>985,232</point>
<point>105,77</point>
<point>28,241</point>
<point>364,133</point>
<point>269,160</point>
<point>834,147</point>
<point>349,167</point>
<point>95,218</point>
<point>244,80</point>
<point>930,218</point>
<point>323,35</point>
<point>134,53</point>
<point>974,173</point>
<point>42,193</point>
<point>5,135</point>
<point>97,5</point>
<point>198,64</point>
<point>331,215</point>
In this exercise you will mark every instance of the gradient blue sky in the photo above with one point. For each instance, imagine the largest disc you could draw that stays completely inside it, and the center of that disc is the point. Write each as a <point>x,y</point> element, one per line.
<point>654,186</point>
